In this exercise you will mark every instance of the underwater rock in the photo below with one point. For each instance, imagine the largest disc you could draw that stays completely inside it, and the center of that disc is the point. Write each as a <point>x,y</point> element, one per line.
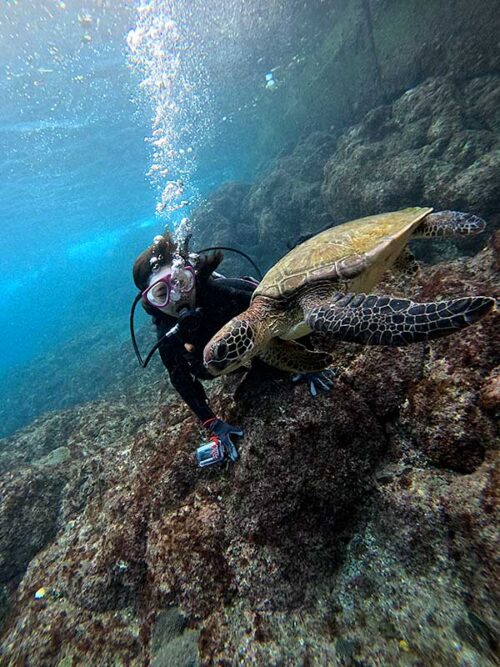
<point>267,218</point>
<point>416,564</point>
<point>357,528</point>
<point>168,625</point>
<point>66,432</point>
<point>35,441</point>
<point>303,468</point>
<point>286,202</point>
<point>438,145</point>
<point>67,377</point>
<point>373,51</point>
<point>30,501</point>
<point>4,605</point>
<point>56,456</point>
<point>221,220</point>
<point>445,413</point>
<point>171,644</point>
<point>490,391</point>
<point>179,652</point>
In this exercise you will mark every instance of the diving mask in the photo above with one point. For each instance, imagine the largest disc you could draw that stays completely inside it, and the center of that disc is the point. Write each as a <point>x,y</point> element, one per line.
<point>170,286</point>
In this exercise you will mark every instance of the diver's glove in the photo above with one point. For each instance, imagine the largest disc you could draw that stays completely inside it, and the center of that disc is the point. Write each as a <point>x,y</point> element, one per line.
<point>221,445</point>
<point>225,432</point>
<point>316,382</point>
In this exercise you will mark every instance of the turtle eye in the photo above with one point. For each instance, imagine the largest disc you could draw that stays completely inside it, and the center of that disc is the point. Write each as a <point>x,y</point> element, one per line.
<point>220,351</point>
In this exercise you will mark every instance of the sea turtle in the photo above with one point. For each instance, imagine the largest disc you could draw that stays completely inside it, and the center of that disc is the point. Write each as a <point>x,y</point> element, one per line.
<point>321,285</point>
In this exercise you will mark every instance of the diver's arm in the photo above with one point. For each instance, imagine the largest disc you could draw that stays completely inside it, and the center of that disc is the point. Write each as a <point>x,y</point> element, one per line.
<point>189,389</point>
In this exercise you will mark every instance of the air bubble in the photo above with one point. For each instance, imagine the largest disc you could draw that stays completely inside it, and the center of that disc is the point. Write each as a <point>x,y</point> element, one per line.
<point>176,86</point>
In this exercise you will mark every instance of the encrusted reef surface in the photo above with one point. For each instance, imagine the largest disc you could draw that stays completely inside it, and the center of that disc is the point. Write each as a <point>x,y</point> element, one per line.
<point>438,143</point>
<point>370,52</point>
<point>358,528</point>
<point>283,204</point>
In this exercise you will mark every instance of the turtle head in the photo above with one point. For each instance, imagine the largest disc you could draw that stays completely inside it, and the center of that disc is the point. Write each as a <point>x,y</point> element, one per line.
<point>231,347</point>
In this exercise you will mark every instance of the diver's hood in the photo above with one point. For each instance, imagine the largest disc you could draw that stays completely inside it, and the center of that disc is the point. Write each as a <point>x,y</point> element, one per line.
<point>141,276</point>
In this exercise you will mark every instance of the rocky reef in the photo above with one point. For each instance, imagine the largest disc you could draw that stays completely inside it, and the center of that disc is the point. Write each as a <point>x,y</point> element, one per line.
<point>369,54</point>
<point>284,204</point>
<point>358,528</point>
<point>436,145</point>
<point>92,365</point>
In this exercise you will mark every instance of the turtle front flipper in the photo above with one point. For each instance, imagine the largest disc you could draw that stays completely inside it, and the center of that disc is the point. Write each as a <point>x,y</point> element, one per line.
<point>449,223</point>
<point>386,320</point>
<point>289,355</point>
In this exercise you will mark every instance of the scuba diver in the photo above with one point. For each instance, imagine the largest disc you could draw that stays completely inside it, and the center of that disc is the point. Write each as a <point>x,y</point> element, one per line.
<point>189,302</point>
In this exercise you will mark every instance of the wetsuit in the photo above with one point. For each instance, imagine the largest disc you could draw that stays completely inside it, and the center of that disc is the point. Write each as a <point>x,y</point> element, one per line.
<point>217,301</point>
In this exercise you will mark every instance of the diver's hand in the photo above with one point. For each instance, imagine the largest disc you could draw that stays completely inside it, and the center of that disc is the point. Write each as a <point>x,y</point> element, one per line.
<point>225,432</point>
<point>316,382</point>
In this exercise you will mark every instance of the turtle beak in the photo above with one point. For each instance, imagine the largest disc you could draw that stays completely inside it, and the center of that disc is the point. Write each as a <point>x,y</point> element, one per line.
<point>215,357</point>
<point>214,368</point>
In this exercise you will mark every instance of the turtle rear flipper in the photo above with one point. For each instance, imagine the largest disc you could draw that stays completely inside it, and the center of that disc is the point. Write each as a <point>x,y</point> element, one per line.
<point>386,320</point>
<point>449,224</point>
<point>287,355</point>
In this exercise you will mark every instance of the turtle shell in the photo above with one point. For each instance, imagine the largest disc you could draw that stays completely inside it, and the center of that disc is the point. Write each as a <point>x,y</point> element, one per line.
<point>358,251</point>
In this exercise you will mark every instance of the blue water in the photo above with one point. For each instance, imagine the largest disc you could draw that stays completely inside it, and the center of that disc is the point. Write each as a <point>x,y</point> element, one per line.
<point>74,197</point>
<point>76,205</point>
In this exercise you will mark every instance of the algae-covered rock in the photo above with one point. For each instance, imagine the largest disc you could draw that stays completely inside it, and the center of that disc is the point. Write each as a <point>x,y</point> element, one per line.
<point>29,505</point>
<point>4,605</point>
<point>172,645</point>
<point>56,457</point>
<point>180,652</point>
<point>446,414</point>
<point>438,144</point>
<point>168,625</point>
<point>286,202</point>
<point>67,661</point>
